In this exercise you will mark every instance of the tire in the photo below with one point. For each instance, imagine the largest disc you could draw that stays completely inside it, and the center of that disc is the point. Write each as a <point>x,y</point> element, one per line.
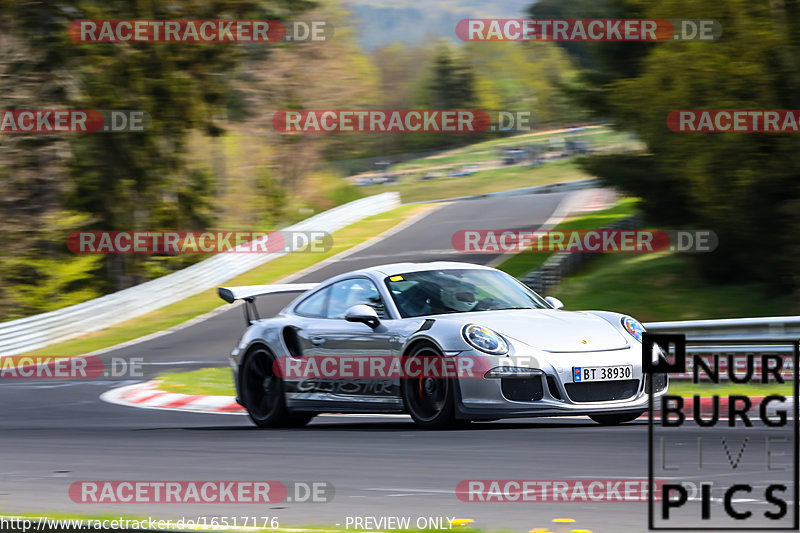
<point>429,401</point>
<point>262,392</point>
<point>615,420</point>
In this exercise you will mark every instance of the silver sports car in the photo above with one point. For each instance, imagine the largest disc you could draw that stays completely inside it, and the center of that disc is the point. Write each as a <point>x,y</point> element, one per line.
<point>443,342</point>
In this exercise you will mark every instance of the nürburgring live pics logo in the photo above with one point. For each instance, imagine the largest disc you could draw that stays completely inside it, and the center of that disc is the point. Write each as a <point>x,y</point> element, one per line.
<point>728,462</point>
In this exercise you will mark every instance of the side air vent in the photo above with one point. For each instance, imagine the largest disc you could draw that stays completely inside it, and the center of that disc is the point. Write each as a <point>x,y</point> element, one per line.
<point>428,324</point>
<point>291,342</point>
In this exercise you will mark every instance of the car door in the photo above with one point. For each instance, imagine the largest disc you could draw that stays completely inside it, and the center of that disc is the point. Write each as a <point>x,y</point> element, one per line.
<point>341,339</point>
<point>311,321</point>
<point>304,389</point>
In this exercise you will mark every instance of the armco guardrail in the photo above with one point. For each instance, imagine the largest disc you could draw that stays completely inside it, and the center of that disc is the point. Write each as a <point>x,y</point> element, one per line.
<point>38,331</point>
<point>730,330</point>
<point>561,264</point>
<point>767,328</point>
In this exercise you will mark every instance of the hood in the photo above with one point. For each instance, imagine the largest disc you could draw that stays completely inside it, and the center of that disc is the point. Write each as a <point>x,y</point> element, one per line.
<point>552,330</point>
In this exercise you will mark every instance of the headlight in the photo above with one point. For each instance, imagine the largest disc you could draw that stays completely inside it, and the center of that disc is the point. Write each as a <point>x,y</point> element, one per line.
<point>633,327</point>
<point>484,339</point>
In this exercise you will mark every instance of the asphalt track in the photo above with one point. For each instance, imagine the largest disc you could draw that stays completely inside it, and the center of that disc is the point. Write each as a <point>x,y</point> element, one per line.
<point>54,433</point>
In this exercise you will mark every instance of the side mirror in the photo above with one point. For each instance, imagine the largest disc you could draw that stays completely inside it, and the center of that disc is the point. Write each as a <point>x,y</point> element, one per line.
<point>362,313</point>
<point>555,302</point>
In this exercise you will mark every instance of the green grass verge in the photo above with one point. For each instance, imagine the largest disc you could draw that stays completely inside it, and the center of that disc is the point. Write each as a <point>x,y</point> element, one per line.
<point>211,381</point>
<point>687,389</point>
<point>270,272</point>
<point>218,382</point>
<point>522,263</point>
<point>664,286</point>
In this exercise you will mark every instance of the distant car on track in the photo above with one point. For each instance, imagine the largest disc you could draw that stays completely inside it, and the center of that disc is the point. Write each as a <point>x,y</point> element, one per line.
<point>516,354</point>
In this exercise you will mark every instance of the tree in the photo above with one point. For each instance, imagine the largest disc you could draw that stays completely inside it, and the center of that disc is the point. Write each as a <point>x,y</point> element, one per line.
<point>54,184</point>
<point>744,186</point>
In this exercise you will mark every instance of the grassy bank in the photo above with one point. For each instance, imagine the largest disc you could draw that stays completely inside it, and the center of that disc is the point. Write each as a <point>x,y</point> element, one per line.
<point>665,286</point>
<point>482,182</point>
<point>520,264</point>
<point>492,176</point>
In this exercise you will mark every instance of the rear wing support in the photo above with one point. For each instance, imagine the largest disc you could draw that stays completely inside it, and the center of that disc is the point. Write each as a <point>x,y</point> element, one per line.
<point>249,294</point>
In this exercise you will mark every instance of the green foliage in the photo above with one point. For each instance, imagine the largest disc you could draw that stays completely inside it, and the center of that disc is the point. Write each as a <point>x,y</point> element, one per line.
<point>530,77</point>
<point>524,77</point>
<point>452,82</point>
<point>272,199</point>
<point>109,181</point>
<point>43,276</point>
<point>744,186</point>
<point>345,193</point>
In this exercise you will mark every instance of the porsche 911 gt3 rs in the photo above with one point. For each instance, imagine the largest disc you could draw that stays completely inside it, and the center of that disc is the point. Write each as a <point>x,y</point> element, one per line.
<point>444,342</point>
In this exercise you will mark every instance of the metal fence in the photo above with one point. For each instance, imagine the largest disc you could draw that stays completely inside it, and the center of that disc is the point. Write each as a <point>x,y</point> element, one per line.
<point>766,328</point>
<point>736,337</point>
<point>562,264</point>
<point>38,331</point>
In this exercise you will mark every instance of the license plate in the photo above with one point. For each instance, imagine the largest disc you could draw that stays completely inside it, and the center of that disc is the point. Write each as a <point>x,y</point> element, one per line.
<point>581,374</point>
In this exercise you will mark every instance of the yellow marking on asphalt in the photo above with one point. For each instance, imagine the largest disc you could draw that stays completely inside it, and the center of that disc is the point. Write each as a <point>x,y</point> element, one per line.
<point>462,521</point>
<point>563,520</point>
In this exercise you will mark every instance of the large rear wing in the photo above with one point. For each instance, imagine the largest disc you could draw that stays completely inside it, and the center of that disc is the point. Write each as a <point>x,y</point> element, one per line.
<point>249,293</point>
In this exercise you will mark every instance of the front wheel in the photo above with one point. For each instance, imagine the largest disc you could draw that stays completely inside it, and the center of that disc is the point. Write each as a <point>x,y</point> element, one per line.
<point>430,401</point>
<point>615,420</point>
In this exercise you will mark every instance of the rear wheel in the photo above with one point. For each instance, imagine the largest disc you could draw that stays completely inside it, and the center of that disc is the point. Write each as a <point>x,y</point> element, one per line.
<point>262,393</point>
<point>615,420</point>
<point>430,401</point>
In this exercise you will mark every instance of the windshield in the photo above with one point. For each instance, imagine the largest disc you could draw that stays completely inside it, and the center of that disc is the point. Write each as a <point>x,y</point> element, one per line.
<point>434,292</point>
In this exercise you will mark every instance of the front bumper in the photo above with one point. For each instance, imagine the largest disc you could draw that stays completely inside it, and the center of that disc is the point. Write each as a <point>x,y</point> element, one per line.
<point>553,392</point>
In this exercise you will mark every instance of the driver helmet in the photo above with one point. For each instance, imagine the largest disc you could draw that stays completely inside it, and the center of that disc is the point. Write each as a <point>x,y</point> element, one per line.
<point>458,295</point>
